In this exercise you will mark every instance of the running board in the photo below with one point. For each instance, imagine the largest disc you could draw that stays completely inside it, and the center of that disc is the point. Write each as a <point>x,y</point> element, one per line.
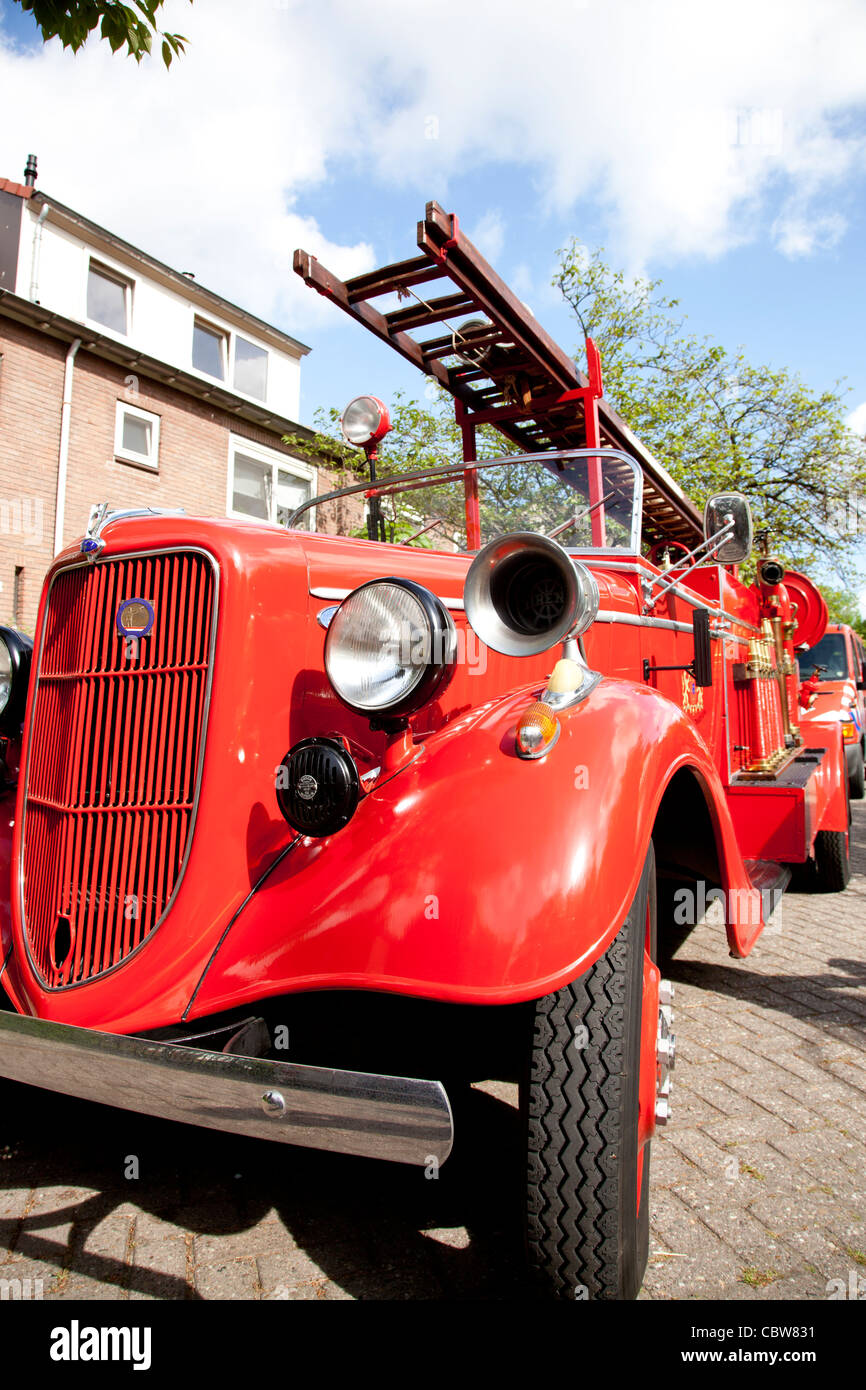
<point>770,880</point>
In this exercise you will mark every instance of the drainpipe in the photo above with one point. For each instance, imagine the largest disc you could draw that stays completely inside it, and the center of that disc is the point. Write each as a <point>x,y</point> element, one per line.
<point>34,260</point>
<point>63,457</point>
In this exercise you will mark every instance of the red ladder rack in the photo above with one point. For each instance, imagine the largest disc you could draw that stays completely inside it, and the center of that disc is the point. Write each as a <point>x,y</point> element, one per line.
<point>508,371</point>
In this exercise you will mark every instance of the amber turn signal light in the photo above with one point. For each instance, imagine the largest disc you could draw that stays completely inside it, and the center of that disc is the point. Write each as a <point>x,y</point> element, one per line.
<point>537,731</point>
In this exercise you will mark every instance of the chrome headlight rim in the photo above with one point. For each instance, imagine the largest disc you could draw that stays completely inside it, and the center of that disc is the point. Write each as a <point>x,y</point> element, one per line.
<point>19,649</point>
<point>430,679</point>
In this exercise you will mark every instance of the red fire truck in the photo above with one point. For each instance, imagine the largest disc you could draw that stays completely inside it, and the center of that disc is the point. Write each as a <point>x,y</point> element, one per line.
<point>833,691</point>
<point>300,828</point>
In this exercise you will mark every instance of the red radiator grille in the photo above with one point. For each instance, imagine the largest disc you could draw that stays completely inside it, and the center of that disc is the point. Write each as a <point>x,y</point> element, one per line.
<point>117,730</point>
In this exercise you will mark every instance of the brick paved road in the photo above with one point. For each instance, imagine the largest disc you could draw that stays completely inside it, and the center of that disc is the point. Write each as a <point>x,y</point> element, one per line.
<point>758,1181</point>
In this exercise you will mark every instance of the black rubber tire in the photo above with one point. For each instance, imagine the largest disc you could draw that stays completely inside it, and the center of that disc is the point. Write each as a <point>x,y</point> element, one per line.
<point>585,1237</point>
<point>857,780</point>
<point>832,864</point>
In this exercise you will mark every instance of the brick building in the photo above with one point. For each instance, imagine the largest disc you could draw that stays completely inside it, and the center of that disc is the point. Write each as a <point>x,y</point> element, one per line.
<point>124,380</point>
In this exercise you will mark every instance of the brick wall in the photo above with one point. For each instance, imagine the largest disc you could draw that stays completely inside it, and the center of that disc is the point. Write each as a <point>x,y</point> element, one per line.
<point>193,456</point>
<point>31,392</point>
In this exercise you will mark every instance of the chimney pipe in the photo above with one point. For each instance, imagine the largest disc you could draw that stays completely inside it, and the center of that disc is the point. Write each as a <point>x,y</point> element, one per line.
<point>30,171</point>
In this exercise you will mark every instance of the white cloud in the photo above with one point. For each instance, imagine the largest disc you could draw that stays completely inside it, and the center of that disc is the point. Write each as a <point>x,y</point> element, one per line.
<point>798,235</point>
<point>488,234</point>
<point>695,128</point>
<point>201,166</point>
<point>857,420</point>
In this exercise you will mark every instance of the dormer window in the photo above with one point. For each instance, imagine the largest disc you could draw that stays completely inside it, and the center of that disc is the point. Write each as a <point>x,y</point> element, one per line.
<point>108,298</point>
<point>209,349</point>
<point>251,369</point>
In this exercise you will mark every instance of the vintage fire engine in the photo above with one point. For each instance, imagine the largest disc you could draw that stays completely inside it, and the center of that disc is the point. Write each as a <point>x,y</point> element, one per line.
<point>303,830</point>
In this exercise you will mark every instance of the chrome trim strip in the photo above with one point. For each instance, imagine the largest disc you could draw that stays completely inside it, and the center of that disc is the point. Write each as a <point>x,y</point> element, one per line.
<point>609,615</point>
<point>623,567</point>
<point>643,566</point>
<point>340,594</point>
<point>82,562</point>
<point>397,1118</point>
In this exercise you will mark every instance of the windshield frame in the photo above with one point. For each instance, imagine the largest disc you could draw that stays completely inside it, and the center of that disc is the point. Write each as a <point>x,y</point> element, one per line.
<point>420,477</point>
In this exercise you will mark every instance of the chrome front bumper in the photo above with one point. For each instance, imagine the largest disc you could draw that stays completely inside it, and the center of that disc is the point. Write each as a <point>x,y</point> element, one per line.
<point>390,1117</point>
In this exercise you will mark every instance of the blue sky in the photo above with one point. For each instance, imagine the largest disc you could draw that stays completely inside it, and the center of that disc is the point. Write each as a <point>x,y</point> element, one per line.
<point>722,148</point>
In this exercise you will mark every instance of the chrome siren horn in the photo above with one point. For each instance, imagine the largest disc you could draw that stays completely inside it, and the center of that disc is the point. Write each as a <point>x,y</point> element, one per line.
<point>524,593</point>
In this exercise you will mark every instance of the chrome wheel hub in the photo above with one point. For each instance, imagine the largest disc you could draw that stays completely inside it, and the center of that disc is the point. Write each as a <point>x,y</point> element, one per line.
<point>666,1051</point>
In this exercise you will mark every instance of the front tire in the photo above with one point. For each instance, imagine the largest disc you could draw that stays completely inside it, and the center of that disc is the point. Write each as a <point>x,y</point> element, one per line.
<point>587,1236</point>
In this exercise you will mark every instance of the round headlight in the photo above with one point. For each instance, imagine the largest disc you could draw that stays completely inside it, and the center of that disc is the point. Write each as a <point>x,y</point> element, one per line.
<point>391,646</point>
<point>365,421</point>
<point>15,652</point>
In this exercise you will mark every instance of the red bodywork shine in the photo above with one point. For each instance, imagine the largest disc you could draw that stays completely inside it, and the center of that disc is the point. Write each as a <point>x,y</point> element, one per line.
<point>466,874</point>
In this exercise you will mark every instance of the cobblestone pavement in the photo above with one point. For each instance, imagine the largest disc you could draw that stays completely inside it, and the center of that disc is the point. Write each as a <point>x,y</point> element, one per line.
<point>758,1181</point>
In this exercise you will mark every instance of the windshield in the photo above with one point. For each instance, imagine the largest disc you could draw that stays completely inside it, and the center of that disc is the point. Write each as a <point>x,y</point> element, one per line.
<point>829,652</point>
<point>586,500</point>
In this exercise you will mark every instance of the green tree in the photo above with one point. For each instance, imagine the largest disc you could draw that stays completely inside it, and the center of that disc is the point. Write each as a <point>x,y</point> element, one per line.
<point>717,421</point>
<point>844,608</point>
<point>134,25</point>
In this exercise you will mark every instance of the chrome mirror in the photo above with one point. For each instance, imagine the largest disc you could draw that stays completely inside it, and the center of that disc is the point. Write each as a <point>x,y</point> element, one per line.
<point>729,514</point>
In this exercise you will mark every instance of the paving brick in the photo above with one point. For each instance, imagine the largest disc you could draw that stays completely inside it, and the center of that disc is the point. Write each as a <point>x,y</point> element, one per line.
<point>228,1279</point>
<point>760,1175</point>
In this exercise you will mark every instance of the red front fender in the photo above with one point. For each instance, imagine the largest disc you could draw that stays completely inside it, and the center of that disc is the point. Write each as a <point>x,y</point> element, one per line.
<point>473,875</point>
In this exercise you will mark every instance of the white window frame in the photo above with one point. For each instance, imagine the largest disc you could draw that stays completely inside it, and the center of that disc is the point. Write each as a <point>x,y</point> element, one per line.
<point>109,272</point>
<point>230,337</point>
<point>226,336</point>
<point>238,444</point>
<point>128,455</point>
<point>260,400</point>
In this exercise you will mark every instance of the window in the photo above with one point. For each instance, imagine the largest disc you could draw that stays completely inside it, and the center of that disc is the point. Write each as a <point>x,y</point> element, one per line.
<point>209,350</point>
<point>252,487</point>
<point>266,486</point>
<point>108,297</point>
<point>292,491</point>
<point>251,369</point>
<point>136,436</point>
<point>830,653</point>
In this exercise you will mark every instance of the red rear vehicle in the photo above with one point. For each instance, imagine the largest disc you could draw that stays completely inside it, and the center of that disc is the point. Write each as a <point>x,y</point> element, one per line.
<point>833,672</point>
<point>303,828</point>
